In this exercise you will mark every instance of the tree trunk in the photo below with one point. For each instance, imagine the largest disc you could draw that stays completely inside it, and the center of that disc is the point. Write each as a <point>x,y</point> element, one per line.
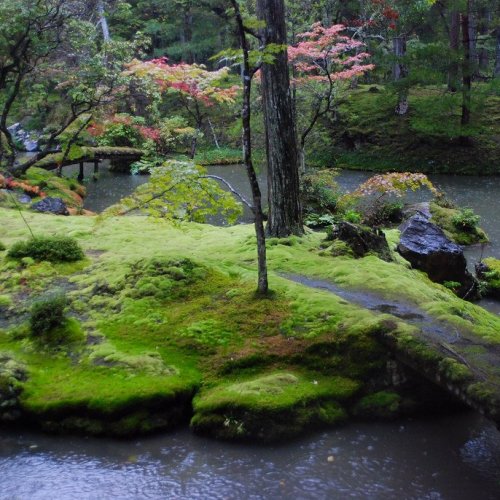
<point>466,69</point>
<point>483,30</point>
<point>472,24</point>
<point>454,46</point>
<point>103,21</point>
<point>496,73</point>
<point>285,213</point>
<point>262,282</point>
<point>187,33</point>
<point>399,72</point>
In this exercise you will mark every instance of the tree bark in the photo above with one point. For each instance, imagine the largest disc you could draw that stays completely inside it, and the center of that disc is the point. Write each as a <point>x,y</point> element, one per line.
<point>247,74</point>
<point>454,46</point>
<point>285,212</point>
<point>496,72</point>
<point>482,31</point>
<point>466,69</point>
<point>399,72</point>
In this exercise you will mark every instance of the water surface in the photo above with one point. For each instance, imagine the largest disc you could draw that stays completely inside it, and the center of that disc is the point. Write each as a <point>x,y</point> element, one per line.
<point>453,457</point>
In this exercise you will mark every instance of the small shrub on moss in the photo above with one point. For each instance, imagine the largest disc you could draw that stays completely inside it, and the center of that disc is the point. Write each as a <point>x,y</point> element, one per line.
<point>466,220</point>
<point>47,315</point>
<point>51,248</point>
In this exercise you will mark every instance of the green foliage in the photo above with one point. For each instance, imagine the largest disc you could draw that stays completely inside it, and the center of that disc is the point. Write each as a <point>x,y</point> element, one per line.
<point>461,234</point>
<point>2,247</point>
<point>352,216</point>
<point>320,191</point>
<point>466,220</point>
<point>175,134</point>
<point>50,248</point>
<point>180,190</point>
<point>47,315</point>
<point>383,404</point>
<point>120,133</point>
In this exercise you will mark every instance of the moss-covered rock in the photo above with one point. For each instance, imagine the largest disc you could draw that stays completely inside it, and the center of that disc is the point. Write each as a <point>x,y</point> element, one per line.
<point>463,235</point>
<point>489,274</point>
<point>383,405</point>
<point>12,377</point>
<point>271,407</point>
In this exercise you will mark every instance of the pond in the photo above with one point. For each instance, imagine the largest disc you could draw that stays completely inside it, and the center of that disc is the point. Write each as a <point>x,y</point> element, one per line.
<point>451,457</point>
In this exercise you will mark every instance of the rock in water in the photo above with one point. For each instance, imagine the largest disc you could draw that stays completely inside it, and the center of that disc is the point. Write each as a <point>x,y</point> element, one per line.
<point>361,240</point>
<point>427,248</point>
<point>51,205</point>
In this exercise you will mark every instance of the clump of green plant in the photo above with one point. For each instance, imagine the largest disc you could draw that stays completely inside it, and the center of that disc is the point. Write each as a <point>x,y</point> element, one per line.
<point>316,221</point>
<point>49,248</point>
<point>452,285</point>
<point>466,220</point>
<point>320,191</point>
<point>47,315</point>
<point>2,247</point>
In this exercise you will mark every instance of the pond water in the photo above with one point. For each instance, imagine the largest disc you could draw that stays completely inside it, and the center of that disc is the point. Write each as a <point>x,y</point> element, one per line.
<point>452,457</point>
<point>447,457</point>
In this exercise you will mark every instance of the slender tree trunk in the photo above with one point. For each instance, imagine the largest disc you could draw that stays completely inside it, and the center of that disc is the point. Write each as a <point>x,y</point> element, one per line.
<point>285,212</point>
<point>454,46</point>
<point>482,31</point>
<point>103,21</point>
<point>473,55</point>
<point>187,33</point>
<point>496,72</point>
<point>466,69</point>
<point>247,74</point>
<point>399,72</point>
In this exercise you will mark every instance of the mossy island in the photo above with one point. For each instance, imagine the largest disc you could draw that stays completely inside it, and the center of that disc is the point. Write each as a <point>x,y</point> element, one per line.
<point>154,336</point>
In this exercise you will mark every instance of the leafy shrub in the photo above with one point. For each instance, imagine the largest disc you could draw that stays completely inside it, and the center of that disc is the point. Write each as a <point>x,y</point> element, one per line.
<point>316,221</point>
<point>466,220</point>
<point>51,248</point>
<point>47,315</point>
<point>320,191</point>
<point>175,133</point>
<point>352,216</point>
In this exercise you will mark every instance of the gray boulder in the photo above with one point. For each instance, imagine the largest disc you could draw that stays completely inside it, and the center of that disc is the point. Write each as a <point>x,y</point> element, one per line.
<point>427,248</point>
<point>51,205</point>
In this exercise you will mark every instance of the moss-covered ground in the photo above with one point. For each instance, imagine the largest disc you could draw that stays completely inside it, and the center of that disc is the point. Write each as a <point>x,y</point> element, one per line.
<point>163,314</point>
<point>370,136</point>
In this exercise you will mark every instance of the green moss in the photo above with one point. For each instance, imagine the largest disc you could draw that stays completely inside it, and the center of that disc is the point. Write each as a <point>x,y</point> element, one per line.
<point>444,218</point>
<point>49,248</point>
<point>383,404</point>
<point>492,277</point>
<point>271,406</point>
<point>5,301</point>
<point>370,136</point>
<point>168,309</point>
<point>455,371</point>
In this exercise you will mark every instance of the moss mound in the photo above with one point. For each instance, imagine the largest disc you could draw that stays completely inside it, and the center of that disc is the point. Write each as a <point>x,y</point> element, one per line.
<point>50,248</point>
<point>272,406</point>
<point>463,235</point>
